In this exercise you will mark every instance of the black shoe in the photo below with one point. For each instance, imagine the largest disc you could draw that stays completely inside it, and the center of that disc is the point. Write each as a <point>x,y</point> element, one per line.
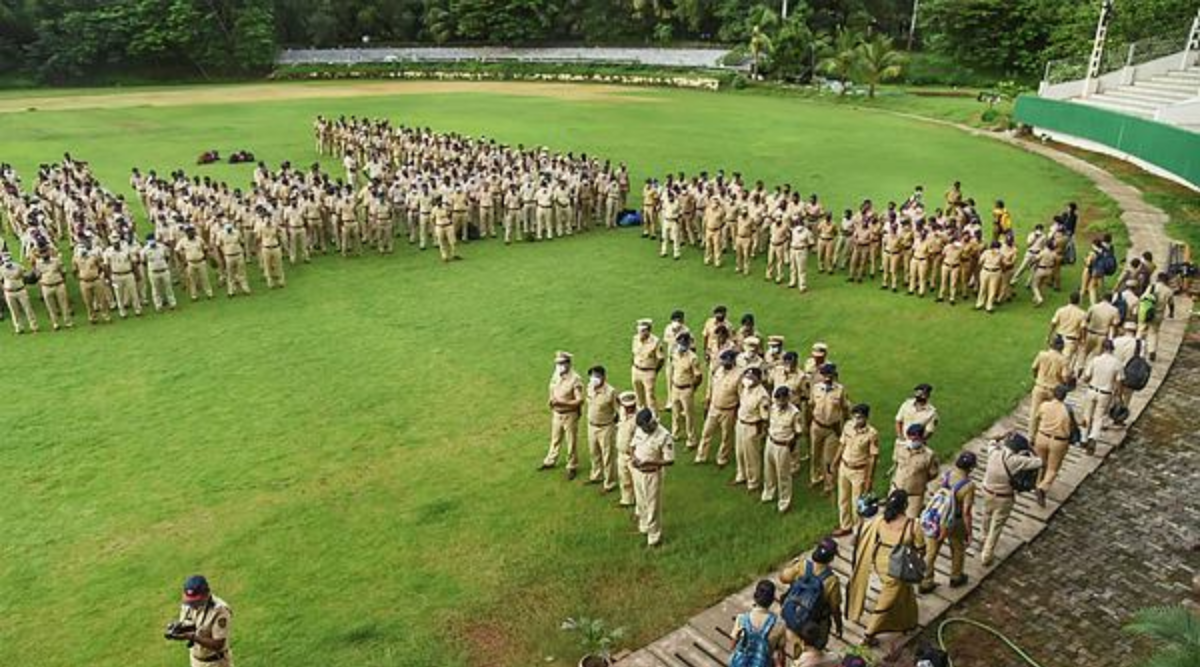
<point>1041,498</point>
<point>571,475</point>
<point>545,466</point>
<point>959,581</point>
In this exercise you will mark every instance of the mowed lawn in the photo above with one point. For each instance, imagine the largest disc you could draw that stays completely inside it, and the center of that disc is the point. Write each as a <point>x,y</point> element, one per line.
<point>351,460</point>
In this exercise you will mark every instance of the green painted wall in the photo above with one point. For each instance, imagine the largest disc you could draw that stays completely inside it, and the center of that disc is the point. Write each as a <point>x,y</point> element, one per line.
<point>1171,148</point>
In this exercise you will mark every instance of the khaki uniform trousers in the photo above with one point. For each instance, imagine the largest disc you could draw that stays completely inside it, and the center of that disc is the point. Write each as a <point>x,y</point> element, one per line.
<point>1039,395</point>
<point>461,226</point>
<point>644,385</point>
<point>859,259</point>
<point>162,293</point>
<point>777,474</point>
<point>564,220</point>
<point>670,235</point>
<point>989,289</point>
<point>958,538</point>
<point>425,220</point>
<point>918,276</point>
<point>742,248</point>
<point>717,421</point>
<point>18,304</point>
<point>512,221</point>
<point>602,446</point>
<point>825,255</point>
<point>235,274</point>
<point>272,266</point>
<point>1051,450</point>
<point>57,304</point>
<point>386,231</point>
<point>648,495</point>
<point>996,510</point>
<point>125,287</point>
<point>949,282</point>
<point>851,483</point>
<point>611,211</point>
<point>1041,278</point>
<point>891,269</point>
<point>777,261</point>
<point>545,223</point>
<point>351,236</point>
<point>95,298</point>
<point>298,244</point>
<point>625,479</point>
<point>1148,331</point>
<point>683,409</point>
<point>1095,410</point>
<point>487,221</point>
<point>824,441</point>
<point>714,246</point>
<point>563,426</point>
<point>447,244</point>
<point>799,266</point>
<point>748,452</point>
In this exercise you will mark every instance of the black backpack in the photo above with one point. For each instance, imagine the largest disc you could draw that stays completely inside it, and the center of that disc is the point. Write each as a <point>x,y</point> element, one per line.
<point>1105,263</point>
<point>1021,481</point>
<point>1137,371</point>
<point>805,599</point>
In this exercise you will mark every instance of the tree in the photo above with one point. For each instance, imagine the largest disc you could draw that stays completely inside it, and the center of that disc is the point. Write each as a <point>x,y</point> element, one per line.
<point>878,61</point>
<point>761,19</point>
<point>1177,631</point>
<point>842,58</point>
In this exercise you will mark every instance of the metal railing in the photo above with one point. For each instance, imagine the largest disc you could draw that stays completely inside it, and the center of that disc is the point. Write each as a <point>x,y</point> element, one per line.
<point>1116,57</point>
<point>1065,69</point>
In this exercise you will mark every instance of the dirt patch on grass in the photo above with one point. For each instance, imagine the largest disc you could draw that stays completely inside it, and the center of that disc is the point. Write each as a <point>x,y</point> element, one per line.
<point>267,92</point>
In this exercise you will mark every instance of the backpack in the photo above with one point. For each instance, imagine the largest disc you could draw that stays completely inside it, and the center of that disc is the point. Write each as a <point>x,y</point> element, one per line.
<point>1022,481</point>
<point>1148,307</point>
<point>805,600</point>
<point>940,514</point>
<point>1122,307</point>
<point>1105,263</point>
<point>753,647</point>
<point>1137,371</point>
<point>629,218</point>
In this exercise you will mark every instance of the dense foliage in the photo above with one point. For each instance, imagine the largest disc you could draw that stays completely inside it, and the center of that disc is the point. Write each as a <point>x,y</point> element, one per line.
<point>61,40</point>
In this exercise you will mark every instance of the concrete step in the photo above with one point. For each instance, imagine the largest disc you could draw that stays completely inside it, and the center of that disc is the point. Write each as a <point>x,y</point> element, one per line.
<point>1170,85</point>
<point>1191,74</point>
<point>1143,105</point>
<point>1116,105</point>
<point>1139,94</point>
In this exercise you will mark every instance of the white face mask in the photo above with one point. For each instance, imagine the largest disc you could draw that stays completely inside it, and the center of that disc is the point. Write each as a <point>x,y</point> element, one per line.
<point>596,381</point>
<point>775,349</point>
<point>562,368</point>
<point>914,444</point>
<point>681,348</point>
<point>747,382</point>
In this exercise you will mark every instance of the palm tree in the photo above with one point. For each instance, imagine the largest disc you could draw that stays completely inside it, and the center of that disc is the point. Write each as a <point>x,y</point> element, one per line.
<point>879,61</point>
<point>842,57</point>
<point>1176,628</point>
<point>760,19</point>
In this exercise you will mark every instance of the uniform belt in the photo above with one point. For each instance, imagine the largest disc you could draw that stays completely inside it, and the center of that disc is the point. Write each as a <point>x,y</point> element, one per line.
<point>448,224</point>
<point>863,245</point>
<point>233,254</point>
<point>920,259</point>
<point>216,657</point>
<point>826,238</point>
<point>89,280</point>
<point>547,206</point>
<point>1070,337</point>
<point>728,409</point>
<point>195,261</point>
<point>1095,333</point>
<point>567,412</point>
<point>950,266</point>
<point>1098,390</point>
<point>749,423</point>
<point>162,270</point>
<point>683,386</point>
<point>595,425</point>
<point>14,291</point>
<point>890,252</point>
<point>1045,267</point>
<point>822,424</point>
<point>122,273</point>
<point>1055,437</point>
<point>855,467</point>
<point>271,246</point>
<point>779,244</point>
<point>997,493</point>
<point>990,270</point>
<point>645,369</point>
<point>53,284</point>
<point>782,443</point>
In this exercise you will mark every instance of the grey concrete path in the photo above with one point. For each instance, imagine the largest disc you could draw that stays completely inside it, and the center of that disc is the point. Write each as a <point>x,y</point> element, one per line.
<point>703,641</point>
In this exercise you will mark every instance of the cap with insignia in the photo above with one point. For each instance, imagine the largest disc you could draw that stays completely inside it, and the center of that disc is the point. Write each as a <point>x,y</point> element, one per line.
<point>752,341</point>
<point>820,348</point>
<point>645,323</point>
<point>562,357</point>
<point>775,340</point>
<point>195,588</point>
<point>627,399</point>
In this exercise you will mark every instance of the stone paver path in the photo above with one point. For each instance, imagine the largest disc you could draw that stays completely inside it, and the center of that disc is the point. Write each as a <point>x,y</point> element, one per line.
<point>704,640</point>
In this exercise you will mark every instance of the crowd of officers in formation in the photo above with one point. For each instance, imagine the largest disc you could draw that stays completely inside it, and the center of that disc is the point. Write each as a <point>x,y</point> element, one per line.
<point>736,395</point>
<point>947,252</point>
<point>398,182</point>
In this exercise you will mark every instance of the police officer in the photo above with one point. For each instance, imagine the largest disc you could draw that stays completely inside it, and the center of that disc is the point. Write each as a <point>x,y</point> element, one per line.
<point>566,399</point>
<point>210,616</point>
<point>653,450</point>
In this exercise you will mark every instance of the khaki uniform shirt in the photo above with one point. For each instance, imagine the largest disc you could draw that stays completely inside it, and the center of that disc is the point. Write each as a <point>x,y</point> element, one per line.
<point>647,354</point>
<point>212,621</point>
<point>914,469</point>
<point>1000,462</point>
<point>723,389</point>
<point>50,271</point>
<point>795,380</point>
<point>685,370</point>
<point>754,404</point>
<point>1050,368</point>
<point>1054,420</point>
<point>566,387</point>
<point>829,405</point>
<point>230,242</point>
<point>1104,373</point>
<point>192,249</point>
<point>1069,321</point>
<point>657,447</point>
<point>13,275</point>
<point>785,423</point>
<point>158,258</point>
<point>911,413</point>
<point>860,446</point>
<point>1101,318</point>
<point>602,405</point>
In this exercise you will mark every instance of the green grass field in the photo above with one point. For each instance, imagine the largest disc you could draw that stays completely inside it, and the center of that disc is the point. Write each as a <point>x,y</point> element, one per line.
<point>351,460</point>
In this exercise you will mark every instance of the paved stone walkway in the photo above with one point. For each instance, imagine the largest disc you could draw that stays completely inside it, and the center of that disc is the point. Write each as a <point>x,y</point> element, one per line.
<point>1128,538</point>
<point>703,641</point>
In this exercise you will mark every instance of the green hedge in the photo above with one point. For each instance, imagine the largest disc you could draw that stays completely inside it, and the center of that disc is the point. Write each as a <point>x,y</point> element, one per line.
<point>1170,148</point>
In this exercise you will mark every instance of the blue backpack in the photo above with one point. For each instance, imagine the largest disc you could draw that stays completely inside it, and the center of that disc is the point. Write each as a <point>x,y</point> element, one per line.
<point>754,647</point>
<point>805,599</point>
<point>940,515</point>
